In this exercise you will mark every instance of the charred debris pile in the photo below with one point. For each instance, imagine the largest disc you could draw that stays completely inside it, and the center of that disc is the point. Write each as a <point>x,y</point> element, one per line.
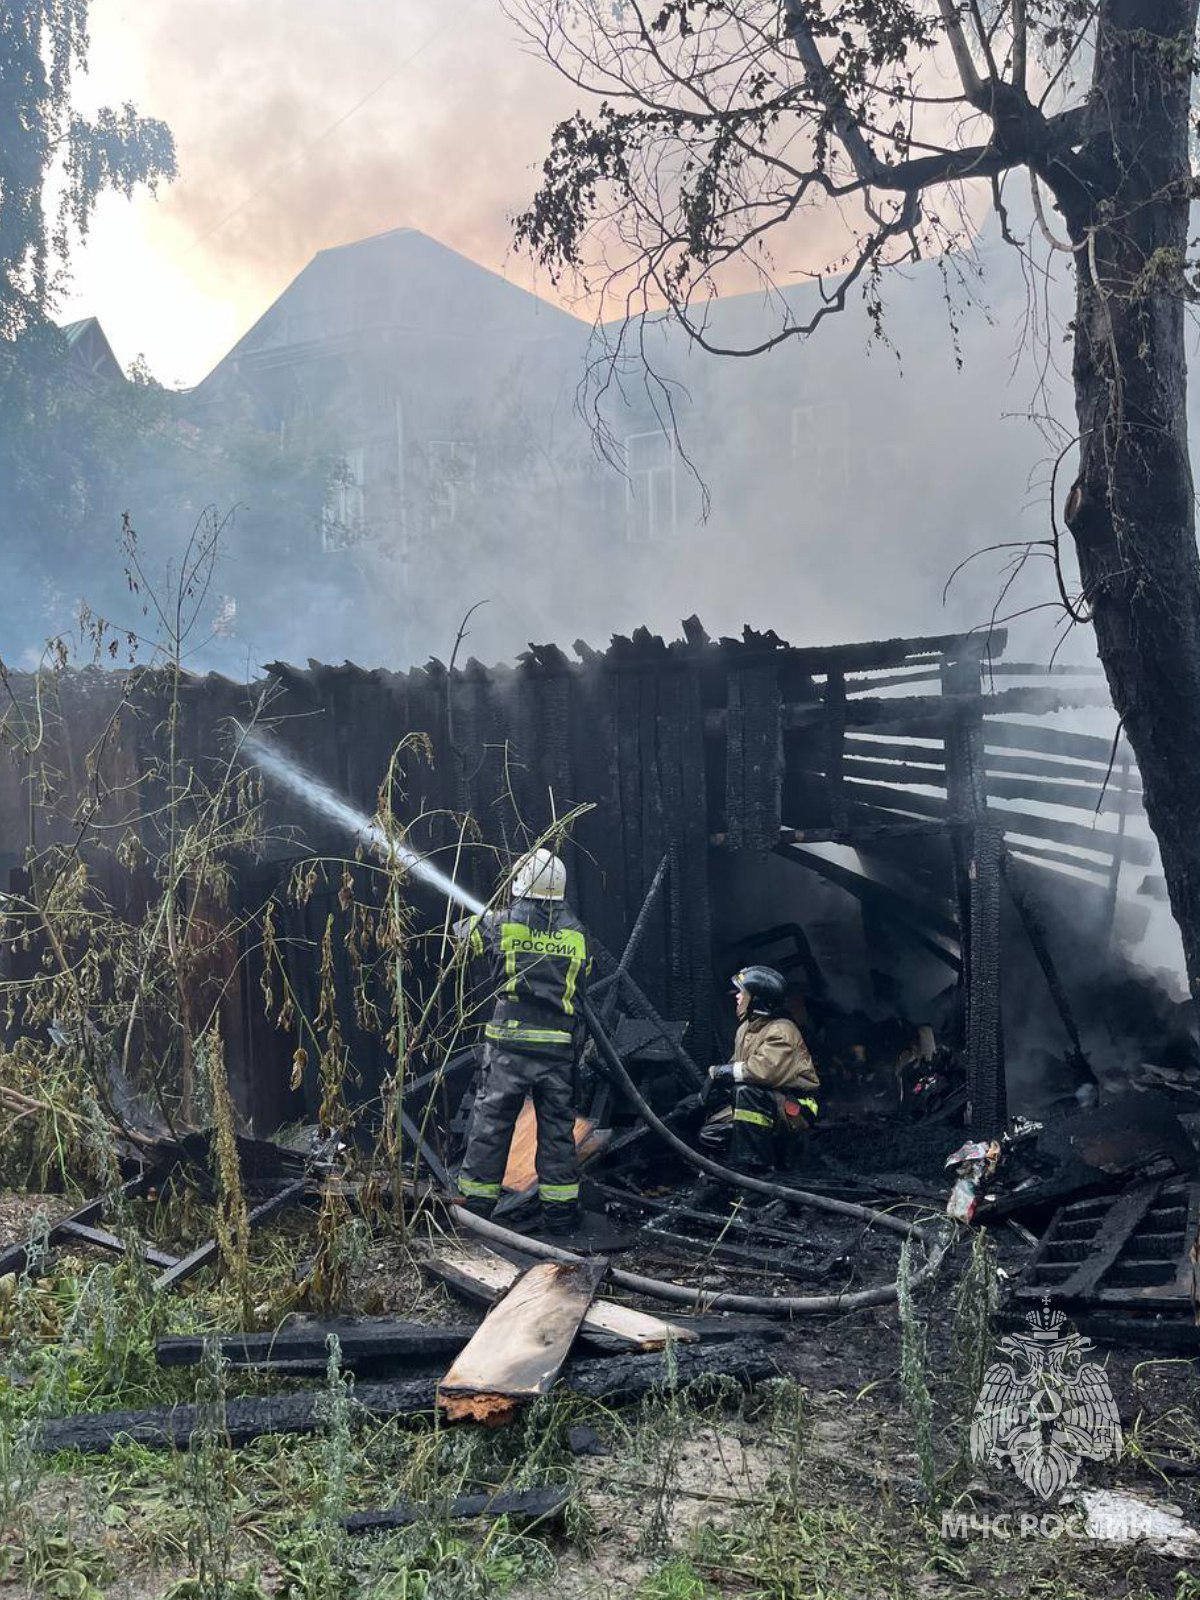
<point>905,829</point>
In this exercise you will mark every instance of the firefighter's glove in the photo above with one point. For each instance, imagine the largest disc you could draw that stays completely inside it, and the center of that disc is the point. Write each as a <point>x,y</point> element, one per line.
<point>716,1077</point>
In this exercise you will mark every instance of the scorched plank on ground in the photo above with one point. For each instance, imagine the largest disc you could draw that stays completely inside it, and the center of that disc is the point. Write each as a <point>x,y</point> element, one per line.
<point>518,1351</point>
<point>613,1379</point>
<point>362,1340</point>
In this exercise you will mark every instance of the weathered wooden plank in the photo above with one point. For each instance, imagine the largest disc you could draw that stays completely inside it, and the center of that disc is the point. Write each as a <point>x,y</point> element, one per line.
<point>524,1340</point>
<point>482,1277</point>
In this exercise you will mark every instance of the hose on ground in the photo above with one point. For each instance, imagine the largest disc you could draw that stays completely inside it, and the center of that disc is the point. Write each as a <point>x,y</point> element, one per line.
<point>727,1175</point>
<point>681,1294</point>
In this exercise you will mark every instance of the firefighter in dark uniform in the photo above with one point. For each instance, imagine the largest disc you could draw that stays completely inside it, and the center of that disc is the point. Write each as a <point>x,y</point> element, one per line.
<point>771,1084</point>
<point>541,964</point>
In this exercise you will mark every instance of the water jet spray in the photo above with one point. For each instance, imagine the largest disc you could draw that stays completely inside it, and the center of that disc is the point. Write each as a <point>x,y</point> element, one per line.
<point>319,797</point>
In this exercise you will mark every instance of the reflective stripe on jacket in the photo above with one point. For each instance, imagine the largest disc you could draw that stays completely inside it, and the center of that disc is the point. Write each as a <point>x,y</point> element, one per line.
<point>540,967</point>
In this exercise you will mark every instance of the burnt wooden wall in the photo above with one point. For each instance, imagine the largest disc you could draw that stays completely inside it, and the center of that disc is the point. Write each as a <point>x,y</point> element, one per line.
<point>679,748</point>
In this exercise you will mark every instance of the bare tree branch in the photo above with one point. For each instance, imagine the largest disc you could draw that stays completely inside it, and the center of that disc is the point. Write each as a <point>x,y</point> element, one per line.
<point>963,60</point>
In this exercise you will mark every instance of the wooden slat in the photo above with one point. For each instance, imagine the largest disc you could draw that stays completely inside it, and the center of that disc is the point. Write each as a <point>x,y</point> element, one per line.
<point>895,680</point>
<point>207,1253</point>
<point>1084,795</point>
<point>858,744</point>
<point>518,1352</point>
<point>1059,769</point>
<point>1030,669</point>
<point>15,1257</point>
<point>101,1239</point>
<point>857,766</point>
<point>1059,766</point>
<point>1139,851</point>
<point>483,1277</point>
<point>1047,741</point>
<point>925,715</point>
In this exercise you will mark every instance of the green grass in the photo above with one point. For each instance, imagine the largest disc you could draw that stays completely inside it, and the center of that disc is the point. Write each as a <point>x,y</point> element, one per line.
<point>790,1493</point>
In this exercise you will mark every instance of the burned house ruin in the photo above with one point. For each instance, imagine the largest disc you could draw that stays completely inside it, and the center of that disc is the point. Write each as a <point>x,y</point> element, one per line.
<point>902,826</point>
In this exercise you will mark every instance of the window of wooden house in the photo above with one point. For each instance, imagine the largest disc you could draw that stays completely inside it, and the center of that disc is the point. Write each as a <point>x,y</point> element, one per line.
<point>451,479</point>
<point>343,522</point>
<point>651,494</point>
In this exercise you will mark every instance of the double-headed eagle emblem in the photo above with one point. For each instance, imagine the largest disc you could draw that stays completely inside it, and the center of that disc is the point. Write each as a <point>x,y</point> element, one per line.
<point>1044,1408</point>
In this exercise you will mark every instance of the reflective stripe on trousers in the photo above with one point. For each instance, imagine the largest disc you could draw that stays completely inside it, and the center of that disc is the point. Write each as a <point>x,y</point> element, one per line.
<point>508,1078</point>
<point>752,1145</point>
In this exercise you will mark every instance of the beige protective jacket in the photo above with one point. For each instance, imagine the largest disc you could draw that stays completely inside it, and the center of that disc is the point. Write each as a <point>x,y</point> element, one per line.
<point>771,1051</point>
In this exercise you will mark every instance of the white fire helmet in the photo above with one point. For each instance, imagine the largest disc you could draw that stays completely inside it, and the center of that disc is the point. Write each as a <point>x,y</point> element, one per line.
<point>539,876</point>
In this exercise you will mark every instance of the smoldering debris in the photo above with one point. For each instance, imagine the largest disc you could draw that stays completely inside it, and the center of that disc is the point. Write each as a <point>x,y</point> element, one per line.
<point>909,863</point>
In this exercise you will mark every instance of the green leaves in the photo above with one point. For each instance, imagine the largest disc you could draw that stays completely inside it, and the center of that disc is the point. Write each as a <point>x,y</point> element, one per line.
<point>43,44</point>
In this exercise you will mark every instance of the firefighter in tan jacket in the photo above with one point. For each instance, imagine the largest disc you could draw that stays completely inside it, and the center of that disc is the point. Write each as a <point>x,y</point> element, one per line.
<point>771,1083</point>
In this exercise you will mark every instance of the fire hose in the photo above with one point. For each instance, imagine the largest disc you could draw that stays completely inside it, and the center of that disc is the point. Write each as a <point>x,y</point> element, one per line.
<point>322,799</point>
<point>682,1294</point>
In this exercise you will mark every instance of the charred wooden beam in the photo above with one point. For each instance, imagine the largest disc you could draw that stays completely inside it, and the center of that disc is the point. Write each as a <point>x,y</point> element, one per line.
<point>361,1342</point>
<point>613,1379</point>
<point>519,1506</point>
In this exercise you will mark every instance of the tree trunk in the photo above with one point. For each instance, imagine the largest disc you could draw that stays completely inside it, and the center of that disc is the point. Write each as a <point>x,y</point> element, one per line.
<point>1131,510</point>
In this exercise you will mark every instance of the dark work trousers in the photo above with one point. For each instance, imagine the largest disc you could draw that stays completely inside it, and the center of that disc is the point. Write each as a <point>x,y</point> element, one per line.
<point>755,1117</point>
<point>507,1079</point>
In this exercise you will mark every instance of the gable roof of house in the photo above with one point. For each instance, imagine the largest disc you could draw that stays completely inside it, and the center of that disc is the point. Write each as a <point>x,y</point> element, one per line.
<point>89,350</point>
<point>401,280</point>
